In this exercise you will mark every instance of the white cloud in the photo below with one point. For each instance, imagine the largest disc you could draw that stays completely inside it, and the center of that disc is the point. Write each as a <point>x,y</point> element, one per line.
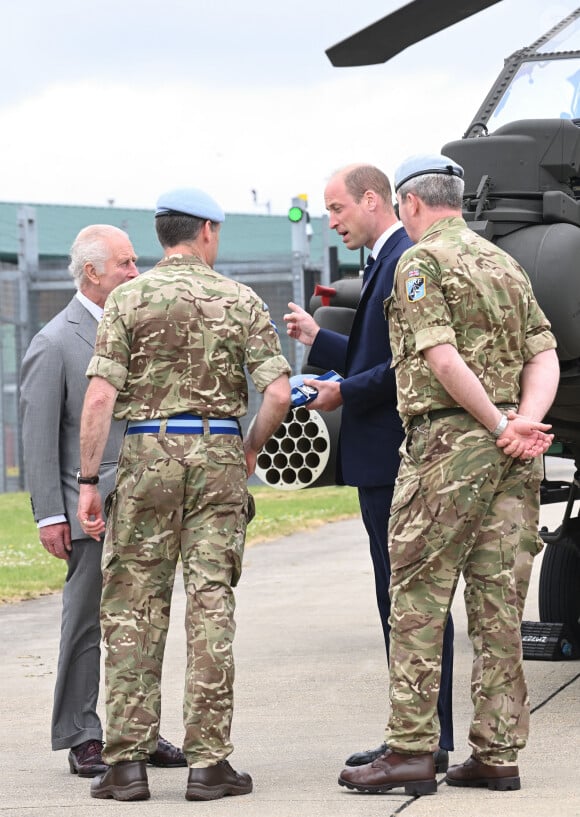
<point>229,116</point>
<point>129,144</point>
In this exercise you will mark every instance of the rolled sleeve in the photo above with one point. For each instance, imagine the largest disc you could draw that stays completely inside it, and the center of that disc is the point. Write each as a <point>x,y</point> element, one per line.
<point>434,336</point>
<point>114,373</point>
<point>270,370</point>
<point>540,342</point>
<point>263,354</point>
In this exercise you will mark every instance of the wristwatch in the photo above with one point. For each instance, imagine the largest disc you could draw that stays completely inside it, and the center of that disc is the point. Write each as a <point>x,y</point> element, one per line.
<point>501,426</point>
<point>87,480</point>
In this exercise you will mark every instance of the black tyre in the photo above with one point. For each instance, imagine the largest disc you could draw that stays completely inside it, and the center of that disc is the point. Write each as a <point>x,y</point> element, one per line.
<point>559,595</point>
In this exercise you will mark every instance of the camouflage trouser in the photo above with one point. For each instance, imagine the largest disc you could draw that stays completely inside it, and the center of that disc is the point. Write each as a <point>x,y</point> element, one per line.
<point>176,495</point>
<point>529,545</point>
<point>458,507</point>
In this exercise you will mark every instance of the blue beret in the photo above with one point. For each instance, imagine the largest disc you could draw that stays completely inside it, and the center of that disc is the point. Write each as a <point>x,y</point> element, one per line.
<point>424,163</point>
<point>191,202</point>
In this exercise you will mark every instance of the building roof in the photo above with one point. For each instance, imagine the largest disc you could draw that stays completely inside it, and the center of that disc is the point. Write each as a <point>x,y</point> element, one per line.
<point>245,238</point>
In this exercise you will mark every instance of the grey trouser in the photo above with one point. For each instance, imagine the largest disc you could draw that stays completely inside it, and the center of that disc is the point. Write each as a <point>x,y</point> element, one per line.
<point>74,714</point>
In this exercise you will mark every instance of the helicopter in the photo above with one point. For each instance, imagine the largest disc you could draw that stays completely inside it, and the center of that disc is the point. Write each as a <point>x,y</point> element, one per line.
<point>521,157</point>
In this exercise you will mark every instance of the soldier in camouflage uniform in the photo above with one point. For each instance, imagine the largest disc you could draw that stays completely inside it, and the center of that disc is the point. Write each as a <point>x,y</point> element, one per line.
<point>169,358</point>
<point>476,371</point>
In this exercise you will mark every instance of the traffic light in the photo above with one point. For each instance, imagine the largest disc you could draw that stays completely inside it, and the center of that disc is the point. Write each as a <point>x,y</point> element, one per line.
<point>299,209</point>
<point>299,218</point>
<point>295,214</point>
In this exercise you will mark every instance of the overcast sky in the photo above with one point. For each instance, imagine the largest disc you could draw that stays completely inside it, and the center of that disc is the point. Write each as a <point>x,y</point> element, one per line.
<point>122,99</point>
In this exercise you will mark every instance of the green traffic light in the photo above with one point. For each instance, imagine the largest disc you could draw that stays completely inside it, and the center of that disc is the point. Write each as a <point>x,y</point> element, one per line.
<point>295,214</point>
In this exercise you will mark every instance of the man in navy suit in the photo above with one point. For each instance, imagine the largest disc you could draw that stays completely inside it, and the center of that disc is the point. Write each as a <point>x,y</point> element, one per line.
<point>359,201</point>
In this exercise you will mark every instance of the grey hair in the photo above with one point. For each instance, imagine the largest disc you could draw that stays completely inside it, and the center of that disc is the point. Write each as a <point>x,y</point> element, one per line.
<point>435,190</point>
<point>91,246</point>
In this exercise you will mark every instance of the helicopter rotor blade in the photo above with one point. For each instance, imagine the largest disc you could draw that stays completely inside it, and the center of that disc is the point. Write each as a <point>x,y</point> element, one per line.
<point>408,25</point>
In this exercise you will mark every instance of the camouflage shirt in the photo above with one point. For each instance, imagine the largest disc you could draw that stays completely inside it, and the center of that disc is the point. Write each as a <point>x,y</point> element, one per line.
<point>177,338</point>
<point>456,287</point>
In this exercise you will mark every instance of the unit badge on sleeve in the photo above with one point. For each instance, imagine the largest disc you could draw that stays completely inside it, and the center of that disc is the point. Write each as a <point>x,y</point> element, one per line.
<point>416,286</point>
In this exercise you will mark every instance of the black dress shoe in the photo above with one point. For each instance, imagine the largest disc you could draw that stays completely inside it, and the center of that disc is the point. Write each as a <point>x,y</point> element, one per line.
<point>362,758</point>
<point>217,781</point>
<point>474,773</point>
<point>440,756</point>
<point>167,755</point>
<point>86,760</point>
<point>392,770</point>
<point>126,780</point>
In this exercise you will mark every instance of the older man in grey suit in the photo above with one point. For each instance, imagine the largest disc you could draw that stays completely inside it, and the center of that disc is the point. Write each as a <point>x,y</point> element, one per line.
<point>52,391</point>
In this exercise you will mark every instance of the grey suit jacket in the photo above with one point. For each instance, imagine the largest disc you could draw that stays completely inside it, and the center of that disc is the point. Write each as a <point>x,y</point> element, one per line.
<point>52,390</point>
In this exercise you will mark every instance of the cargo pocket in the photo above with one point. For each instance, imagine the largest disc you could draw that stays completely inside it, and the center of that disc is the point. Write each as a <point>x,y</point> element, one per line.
<point>530,540</point>
<point>230,452</point>
<point>226,488</point>
<point>237,551</point>
<point>410,525</point>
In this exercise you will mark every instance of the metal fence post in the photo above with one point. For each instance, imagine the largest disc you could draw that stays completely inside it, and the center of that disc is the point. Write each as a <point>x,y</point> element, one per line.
<point>28,267</point>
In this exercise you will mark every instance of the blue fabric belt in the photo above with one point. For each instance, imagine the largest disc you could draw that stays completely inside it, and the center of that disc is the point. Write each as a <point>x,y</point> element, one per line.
<point>184,424</point>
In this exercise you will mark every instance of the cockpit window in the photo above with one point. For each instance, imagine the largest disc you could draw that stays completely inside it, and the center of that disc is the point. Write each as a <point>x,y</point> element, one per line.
<point>566,40</point>
<point>540,81</point>
<point>540,90</point>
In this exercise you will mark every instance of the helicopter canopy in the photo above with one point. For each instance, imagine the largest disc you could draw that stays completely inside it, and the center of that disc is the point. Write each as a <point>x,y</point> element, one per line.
<point>541,81</point>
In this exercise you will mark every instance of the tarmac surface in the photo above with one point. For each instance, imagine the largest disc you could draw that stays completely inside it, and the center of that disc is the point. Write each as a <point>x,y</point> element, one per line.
<point>310,689</point>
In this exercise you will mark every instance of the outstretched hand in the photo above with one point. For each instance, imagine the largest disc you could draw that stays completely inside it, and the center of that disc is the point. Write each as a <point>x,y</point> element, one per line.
<point>300,324</point>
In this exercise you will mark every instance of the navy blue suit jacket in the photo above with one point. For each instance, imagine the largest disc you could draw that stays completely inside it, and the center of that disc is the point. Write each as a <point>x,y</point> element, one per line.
<point>370,430</point>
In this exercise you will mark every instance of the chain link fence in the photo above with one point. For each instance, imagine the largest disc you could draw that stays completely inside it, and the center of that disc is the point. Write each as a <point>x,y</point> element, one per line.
<point>32,292</point>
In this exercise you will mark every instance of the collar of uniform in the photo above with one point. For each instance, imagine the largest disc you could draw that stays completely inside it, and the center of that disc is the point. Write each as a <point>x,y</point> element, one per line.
<point>180,259</point>
<point>443,224</point>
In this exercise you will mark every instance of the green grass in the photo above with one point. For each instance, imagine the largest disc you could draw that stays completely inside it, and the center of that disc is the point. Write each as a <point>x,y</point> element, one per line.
<point>279,513</point>
<point>27,570</point>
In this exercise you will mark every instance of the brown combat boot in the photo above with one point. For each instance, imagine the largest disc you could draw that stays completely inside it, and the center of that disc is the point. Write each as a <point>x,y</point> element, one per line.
<point>474,773</point>
<point>416,773</point>
<point>126,780</point>
<point>217,781</point>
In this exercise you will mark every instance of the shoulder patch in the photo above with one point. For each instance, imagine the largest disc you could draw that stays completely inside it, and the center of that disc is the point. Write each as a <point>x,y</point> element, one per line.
<point>416,287</point>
